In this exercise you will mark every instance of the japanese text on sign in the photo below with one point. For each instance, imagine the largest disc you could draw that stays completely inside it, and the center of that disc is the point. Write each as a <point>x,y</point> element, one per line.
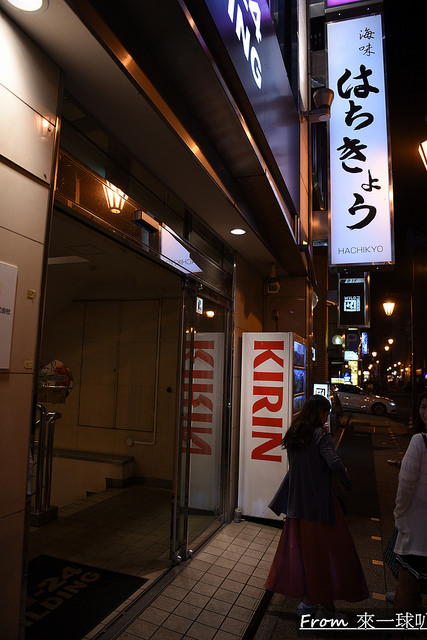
<point>360,225</point>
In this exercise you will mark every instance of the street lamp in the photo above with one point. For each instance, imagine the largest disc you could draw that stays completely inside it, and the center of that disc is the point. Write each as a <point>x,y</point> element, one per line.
<point>423,152</point>
<point>388,307</point>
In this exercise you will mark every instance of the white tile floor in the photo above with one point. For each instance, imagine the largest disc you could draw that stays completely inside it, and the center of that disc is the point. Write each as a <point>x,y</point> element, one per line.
<point>217,594</point>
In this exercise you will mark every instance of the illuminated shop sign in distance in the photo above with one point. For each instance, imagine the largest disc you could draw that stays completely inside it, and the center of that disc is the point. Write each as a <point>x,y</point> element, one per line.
<point>353,302</point>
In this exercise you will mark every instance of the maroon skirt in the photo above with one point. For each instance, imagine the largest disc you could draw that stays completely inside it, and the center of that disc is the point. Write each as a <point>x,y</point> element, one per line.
<point>318,561</point>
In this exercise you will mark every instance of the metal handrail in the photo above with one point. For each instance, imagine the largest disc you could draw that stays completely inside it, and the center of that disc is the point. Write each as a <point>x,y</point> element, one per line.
<point>43,454</point>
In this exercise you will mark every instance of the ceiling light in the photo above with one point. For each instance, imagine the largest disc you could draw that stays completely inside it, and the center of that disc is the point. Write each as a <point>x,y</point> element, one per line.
<point>238,232</point>
<point>29,5</point>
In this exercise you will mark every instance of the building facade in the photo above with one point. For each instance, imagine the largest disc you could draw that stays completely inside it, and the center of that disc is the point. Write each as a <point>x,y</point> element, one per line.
<point>133,143</point>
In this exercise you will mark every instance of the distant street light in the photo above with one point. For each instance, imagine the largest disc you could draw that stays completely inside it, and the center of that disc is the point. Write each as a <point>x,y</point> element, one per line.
<point>388,307</point>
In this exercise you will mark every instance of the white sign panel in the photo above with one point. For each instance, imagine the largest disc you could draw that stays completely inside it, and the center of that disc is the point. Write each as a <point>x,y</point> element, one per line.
<point>361,210</point>
<point>174,252</point>
<point>321,389</point>
<point>8,279</point>
<point>266,406</point>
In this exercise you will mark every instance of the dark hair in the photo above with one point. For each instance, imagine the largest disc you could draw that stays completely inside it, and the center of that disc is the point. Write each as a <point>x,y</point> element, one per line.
<point>420,426</point>
<point>302,428</point>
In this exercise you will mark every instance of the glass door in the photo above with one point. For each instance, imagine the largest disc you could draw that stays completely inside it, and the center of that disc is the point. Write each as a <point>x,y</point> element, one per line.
<point>203,419</point>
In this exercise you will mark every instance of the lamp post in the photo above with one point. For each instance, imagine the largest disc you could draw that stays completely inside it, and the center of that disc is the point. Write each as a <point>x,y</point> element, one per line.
<point>389,306</point>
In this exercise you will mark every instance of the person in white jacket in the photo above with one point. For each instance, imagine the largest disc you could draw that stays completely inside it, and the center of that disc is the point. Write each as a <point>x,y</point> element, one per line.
<point>410,517</point>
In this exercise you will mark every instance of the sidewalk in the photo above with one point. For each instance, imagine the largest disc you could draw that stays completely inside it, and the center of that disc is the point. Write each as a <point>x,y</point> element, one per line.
<point>220,595</point>
<point>217,595</point>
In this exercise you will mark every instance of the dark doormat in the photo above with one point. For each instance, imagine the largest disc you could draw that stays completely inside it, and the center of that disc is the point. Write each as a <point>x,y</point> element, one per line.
<point>65,600</point>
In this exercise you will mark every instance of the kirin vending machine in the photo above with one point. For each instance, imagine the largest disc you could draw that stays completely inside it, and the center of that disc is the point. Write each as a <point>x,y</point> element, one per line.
<point>273,391</point>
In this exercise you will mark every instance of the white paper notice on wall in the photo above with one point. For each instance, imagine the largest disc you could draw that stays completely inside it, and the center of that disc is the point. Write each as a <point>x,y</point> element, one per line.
<point>8,280</point>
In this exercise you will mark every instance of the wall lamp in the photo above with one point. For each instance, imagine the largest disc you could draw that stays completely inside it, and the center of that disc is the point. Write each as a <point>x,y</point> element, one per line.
<point>115,197</point>
<point>423,152</point>
<point>322,99</point>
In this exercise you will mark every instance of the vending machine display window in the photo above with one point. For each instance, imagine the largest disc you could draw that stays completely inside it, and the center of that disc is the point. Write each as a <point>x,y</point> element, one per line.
<point>299,376</point>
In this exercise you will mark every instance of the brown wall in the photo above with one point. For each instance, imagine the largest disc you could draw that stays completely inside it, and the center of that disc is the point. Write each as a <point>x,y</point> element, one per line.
<point>27,146</point>
<point>320,316</point>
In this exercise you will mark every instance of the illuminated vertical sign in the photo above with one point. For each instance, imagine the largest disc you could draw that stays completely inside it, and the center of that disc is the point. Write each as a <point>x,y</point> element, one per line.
<point>365,345</point>
<point>353,302</point>
<point>360,230</point>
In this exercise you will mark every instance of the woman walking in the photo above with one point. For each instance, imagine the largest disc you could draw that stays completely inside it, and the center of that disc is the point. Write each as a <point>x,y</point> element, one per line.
<point>316,560</point>
<point>410,517</point>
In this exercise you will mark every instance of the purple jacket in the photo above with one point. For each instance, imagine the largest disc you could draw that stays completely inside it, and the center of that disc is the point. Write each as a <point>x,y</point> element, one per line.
<point>306,490</point>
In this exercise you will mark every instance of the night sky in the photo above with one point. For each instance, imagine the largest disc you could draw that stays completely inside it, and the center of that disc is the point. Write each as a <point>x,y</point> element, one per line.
<point>406,81</point>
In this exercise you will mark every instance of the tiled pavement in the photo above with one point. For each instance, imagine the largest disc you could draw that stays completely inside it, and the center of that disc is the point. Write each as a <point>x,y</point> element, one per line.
<point>217,595</point>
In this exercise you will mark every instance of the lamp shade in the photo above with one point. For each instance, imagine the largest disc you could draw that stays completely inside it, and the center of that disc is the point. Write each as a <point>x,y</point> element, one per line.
<point>388,307</point>
<point>423,152</point>
<point>115,197</point>
<point>323,97</point>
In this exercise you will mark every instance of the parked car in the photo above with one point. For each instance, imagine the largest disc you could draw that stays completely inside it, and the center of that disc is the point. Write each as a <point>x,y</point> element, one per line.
<point>354,398</point>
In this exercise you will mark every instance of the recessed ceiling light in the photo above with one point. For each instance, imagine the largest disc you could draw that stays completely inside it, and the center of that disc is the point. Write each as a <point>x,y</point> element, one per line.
<point>238,232</point>
<point>29,5</point>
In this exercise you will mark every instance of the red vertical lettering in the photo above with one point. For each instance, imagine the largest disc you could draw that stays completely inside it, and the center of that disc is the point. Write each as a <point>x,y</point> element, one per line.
<point>268,354</point>
<point>273,440</point>
<point>201,403</point>
<point>264,403</point>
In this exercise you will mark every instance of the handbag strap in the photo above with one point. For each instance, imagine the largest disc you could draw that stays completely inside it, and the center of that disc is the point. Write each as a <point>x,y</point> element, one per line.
<point>424,438</point>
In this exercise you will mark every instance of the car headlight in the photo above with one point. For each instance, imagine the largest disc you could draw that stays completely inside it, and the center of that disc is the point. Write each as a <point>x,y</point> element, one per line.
<point>392,404</point>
